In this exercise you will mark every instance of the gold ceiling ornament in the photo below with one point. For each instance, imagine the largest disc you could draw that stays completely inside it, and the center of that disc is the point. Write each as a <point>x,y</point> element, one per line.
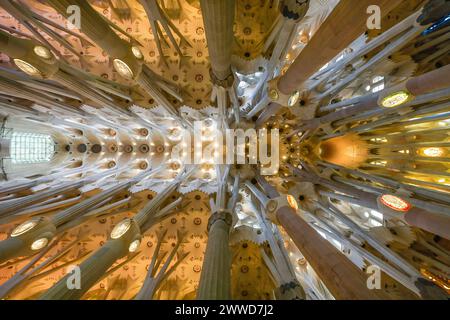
<point>273,94</point>
<point>292,202</point>
<point>348,150</point>
<point>143,165</point>
<point>433,152</point>
<point>111,164</point>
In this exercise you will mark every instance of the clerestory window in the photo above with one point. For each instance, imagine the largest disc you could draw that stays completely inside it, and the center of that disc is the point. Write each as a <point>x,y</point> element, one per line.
<point>29,147</point>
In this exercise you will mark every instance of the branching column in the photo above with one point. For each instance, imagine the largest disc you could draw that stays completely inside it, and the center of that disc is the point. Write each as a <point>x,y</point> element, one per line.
<point>215,281</point>
<point>92,268</point>
<point>340,29</point>
<point>340,275</point>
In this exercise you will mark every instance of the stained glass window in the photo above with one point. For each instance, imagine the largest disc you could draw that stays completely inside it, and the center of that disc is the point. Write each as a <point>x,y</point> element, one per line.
<point>31,147</point>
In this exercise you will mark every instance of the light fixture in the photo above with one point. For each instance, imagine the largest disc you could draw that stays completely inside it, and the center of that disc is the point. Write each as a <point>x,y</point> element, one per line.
<point>123,69</point>
<point>27,68</point>
<point>395,203</point>
<point>134,245</point>
<point>395,99</point>
<point>143,165</point>
<point>273,94</point>
<point>175,165</point>
<point>207,176</point>
<point>433,152</point>
<point>292,202</point>
<point>137,52</point>
<point>42,52</point>
<point>293,98</point>
<point>120,229</point>
<point>39,244</point>
<point>24,227</point>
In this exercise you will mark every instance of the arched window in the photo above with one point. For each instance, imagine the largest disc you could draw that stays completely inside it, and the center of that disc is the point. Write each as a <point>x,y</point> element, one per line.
<point>27,147</point>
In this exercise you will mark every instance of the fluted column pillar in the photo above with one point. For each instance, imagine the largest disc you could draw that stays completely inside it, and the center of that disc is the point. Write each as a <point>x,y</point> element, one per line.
<point>347,22</point>
<point>344,280</point>
<point>218,19</point>
<point>215,280</point>
<point>95,266</point>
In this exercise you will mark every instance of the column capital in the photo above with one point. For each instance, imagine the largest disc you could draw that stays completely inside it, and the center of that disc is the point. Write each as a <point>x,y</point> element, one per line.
<point>223,215</point>
<point>225,83</point>
<point>291,291</point>
<point>283,202</point>
<point>277,96</point>
<point>294,9</point>
<point>430,291</point>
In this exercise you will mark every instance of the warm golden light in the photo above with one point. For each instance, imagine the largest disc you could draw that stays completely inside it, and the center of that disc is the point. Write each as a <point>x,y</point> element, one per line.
<point>120,229</point>
<point>175,165</point>
<point>24,227</point>
<point>273,94</point>
<point>39,244</point>
<point>123,69</point>
<point>395,203</point>
<point>292,202</point>
<point>42,52</point>
<point>27,68</point>
<point>395,99</point>
<point>433,152</point>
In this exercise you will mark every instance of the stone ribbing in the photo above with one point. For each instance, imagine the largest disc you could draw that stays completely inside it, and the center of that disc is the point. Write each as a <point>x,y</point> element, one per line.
<point>215,280</point>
